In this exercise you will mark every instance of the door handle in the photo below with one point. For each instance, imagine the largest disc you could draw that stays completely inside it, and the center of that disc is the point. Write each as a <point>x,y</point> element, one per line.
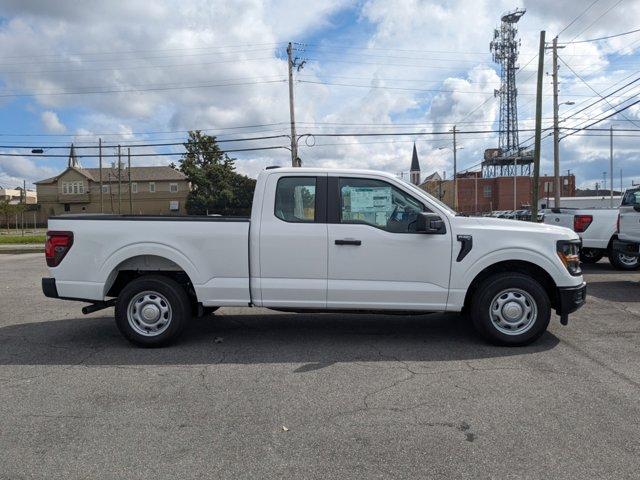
<point>348,242</point>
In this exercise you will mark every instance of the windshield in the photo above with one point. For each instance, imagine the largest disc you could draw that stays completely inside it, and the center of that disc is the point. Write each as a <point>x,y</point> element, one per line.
<point>441,204</point>
<point>631,197</point>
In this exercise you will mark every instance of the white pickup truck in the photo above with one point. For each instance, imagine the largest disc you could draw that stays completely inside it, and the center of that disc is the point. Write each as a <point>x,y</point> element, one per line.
<point>319,240</point>
<point>598,230</point>
<point>628,241</point>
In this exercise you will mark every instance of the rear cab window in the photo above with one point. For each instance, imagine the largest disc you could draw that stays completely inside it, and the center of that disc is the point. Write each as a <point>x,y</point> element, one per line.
<point>296,200</point>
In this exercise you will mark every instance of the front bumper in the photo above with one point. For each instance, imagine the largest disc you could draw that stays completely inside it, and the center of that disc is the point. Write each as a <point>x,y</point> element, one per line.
<point>570,299</point>
<point>626,247</point>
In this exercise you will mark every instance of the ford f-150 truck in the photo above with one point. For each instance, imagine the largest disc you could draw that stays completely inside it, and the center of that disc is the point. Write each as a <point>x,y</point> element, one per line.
<point>318,240</point>
<point>598,232</point>
<point>628,241</point>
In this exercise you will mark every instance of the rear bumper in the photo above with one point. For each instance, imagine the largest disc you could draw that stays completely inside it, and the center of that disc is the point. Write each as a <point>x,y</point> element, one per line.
<point>571,299</point>
<point>626,247</point>
<point>49,288</point>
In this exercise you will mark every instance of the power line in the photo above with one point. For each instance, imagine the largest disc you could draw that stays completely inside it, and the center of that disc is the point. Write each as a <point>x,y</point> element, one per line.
<point>598,18</point>
<point>603,38</point>
<point>161,154</point>
<point>593,90</point>
<point>578,17</point>
<point>603,118</point>
<point>139,90</point>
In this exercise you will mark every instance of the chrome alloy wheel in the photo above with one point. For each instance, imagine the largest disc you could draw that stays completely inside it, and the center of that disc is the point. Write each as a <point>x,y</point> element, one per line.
<point>513,311</point>
<point>149,313</point>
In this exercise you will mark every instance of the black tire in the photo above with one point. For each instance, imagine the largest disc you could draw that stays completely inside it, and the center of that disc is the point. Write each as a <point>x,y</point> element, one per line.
<point>488,292</point>
<point>170,293</point>
<point>620,261</point>
<point>591,255</point>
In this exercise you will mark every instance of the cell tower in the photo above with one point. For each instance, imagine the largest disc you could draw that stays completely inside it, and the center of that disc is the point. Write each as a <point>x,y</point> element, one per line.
<point>509,156</point>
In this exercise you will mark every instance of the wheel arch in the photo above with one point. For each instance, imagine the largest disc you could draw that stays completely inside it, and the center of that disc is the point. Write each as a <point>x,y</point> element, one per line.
<point>515,266</point>
<point>135,266</point>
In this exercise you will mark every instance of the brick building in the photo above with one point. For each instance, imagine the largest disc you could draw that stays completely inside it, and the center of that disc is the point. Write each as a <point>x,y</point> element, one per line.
<point>479,195</point>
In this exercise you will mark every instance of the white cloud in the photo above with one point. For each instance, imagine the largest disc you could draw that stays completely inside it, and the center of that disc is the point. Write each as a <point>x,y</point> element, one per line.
<point>415,49</point>
<point>51,122</point>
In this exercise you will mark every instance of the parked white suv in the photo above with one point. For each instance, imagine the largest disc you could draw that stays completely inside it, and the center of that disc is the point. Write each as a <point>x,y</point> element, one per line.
<point>319,240</point>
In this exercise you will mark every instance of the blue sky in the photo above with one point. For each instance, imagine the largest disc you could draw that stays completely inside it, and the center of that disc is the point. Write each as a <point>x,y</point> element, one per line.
<point>372,67</point>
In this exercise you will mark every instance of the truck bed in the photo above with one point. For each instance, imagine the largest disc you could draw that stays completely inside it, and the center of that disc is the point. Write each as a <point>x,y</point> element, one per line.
<point>104,245</point>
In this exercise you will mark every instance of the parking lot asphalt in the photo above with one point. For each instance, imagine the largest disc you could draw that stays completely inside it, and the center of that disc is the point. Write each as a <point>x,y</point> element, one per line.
<point>250,393</point>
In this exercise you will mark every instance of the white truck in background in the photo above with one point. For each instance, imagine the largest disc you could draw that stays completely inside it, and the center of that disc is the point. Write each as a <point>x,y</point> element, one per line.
<point>628,241</point>
<point>318,240</point>
<point>598,229</point>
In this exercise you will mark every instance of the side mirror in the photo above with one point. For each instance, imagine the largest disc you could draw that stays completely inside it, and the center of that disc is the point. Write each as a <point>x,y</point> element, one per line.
<point>428,222</point>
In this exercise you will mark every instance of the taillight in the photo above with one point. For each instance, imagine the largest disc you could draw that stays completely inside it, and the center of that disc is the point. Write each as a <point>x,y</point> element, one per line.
<point>57,246</point>
<point>581,222</point>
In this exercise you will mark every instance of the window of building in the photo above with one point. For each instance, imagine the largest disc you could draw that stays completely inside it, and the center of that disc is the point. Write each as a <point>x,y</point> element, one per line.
<point>152,187</point>
<point>69,188</point>
<point>296,199</point>
<point>67,207</point>
<point>105,188</point>
<point>487,191</point>
<point>134,187</point>
<point>378,203</point>
<point>173,187</point>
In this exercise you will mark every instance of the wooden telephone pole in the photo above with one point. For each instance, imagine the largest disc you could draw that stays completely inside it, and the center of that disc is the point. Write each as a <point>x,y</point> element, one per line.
<point>538,135</point>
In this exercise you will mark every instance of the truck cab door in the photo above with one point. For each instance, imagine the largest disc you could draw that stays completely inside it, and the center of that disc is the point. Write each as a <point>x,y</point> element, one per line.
<point>377,259</point>
<point>630,217</point>
<point>292,259</point>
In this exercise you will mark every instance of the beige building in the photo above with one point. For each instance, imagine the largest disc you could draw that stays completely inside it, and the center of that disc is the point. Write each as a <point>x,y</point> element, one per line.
<point>154,191</point>
<point>14,196</point>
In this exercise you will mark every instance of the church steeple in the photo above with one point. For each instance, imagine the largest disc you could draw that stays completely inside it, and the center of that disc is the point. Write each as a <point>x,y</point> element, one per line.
<point>73,161</point>
<point>414,173</point>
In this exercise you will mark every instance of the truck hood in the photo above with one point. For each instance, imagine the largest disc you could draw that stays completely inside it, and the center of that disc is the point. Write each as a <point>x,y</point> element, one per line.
<point>514,226</point>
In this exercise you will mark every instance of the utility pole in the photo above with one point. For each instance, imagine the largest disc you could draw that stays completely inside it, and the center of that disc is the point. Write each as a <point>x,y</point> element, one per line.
<point>119,182</point>
<point>110,193</point>
<point>611,164</point>
<point>538,135</point>
<point>556,130</point>
<point>24,196</point>
<point>455,171</point>
<point>476,190</point>
<point>291,62</point>
<point>100,163</point>
<point>515,178</point>
<point>129,173</point>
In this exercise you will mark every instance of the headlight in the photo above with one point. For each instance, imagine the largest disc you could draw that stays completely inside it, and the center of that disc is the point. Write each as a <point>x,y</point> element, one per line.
<point>569,253</point>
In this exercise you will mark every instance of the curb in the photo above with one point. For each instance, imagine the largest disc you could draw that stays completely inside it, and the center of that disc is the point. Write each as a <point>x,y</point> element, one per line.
<point>17,248</point>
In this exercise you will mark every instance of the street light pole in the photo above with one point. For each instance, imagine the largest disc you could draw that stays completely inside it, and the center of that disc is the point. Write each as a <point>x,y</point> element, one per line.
<point>455,171</point>
<point>611,164</point>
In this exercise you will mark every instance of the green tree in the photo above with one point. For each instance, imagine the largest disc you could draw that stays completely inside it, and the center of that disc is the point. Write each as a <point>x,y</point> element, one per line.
<point>6,209</point>
<point>215,185</point>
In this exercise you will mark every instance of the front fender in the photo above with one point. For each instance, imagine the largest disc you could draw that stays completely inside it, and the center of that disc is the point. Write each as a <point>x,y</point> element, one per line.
<point>554,268</point>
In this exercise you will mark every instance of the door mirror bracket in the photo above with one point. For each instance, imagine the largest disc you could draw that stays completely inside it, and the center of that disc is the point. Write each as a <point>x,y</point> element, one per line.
<point>428,222</point>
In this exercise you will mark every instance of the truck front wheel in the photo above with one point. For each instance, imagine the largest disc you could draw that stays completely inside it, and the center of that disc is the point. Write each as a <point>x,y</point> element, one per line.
<point>510,309</point>
<point>152,310</point>
<point>621,261</point>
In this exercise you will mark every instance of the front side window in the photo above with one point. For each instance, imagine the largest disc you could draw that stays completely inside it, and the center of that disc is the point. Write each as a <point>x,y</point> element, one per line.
<point>377,203</point>
<point>296,199</point>
<point>631,197</point>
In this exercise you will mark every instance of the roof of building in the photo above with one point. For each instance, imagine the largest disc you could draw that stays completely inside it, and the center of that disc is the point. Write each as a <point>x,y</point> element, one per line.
<point>435,176</point>
<point>415,164</point>
<point>138,174</point>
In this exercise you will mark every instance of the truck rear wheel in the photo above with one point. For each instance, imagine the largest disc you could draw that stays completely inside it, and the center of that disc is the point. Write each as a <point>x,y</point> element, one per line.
<point>622,261</point>
<point>510,309</point>
<point>152,310</point>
